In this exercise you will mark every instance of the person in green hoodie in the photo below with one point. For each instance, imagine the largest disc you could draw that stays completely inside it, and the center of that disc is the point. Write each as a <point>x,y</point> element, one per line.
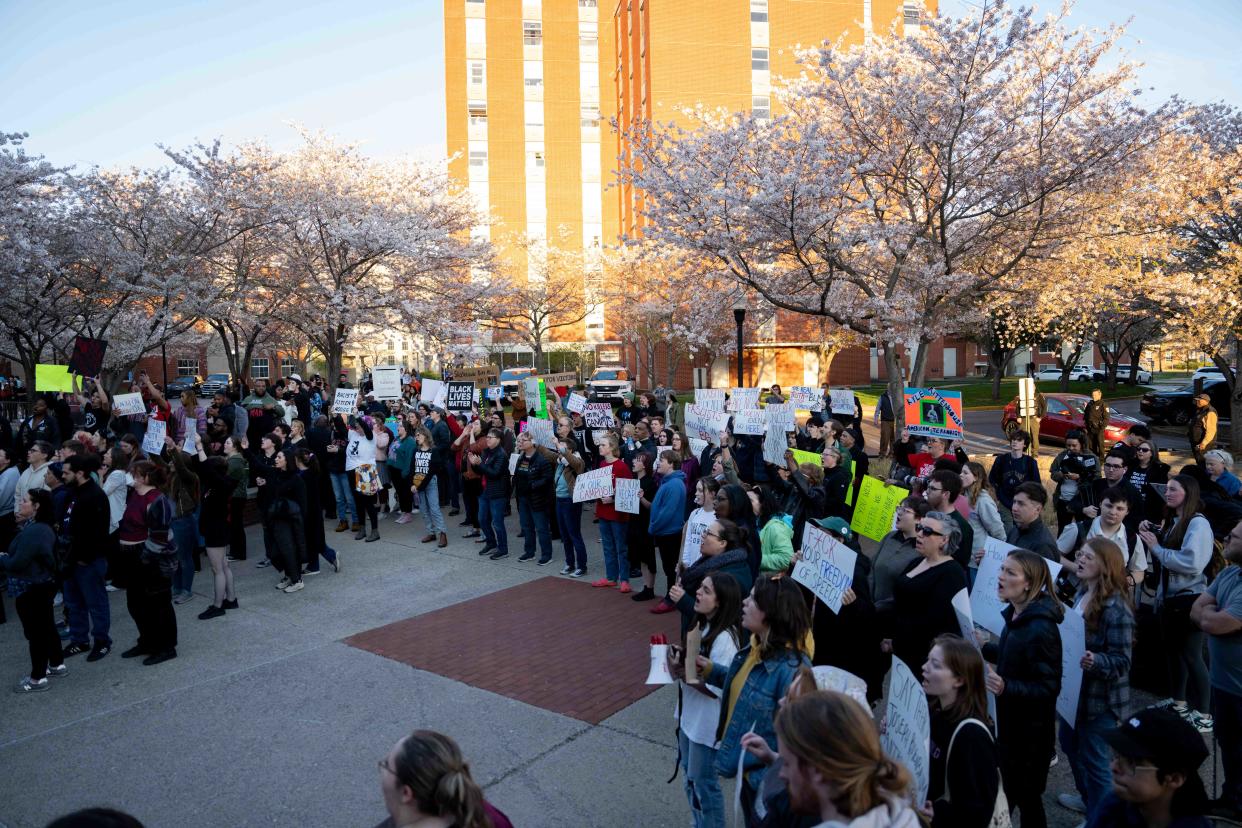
<point>776,531</point>
<point>400,458</point>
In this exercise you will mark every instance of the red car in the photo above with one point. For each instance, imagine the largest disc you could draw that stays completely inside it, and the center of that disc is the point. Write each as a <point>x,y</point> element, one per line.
<point>1065,413</point>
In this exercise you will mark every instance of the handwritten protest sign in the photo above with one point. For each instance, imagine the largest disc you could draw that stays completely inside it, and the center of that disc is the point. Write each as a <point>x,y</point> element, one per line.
<point>190,444</point>
<point>774,445</point>
<point>599,435</point>
<point>434,392</point>
<point>710,399</point>
<point>907,732</point>
<point>593,485</point>
<point>576,403</point>
<point>842,401</point>
<point>873,513</point>
<point>806,397</point>
<point>495,392</point>
<point>965,619</point>
<point>54,378</point>
<point>782,415</point>
<point>985,603</point>
<point>513,461</point>
<point>628,491</point>
<point>697,445</point>
<point>598,415</point>
<point>742,399</point>
<point>153,440</point>
<point>1073,648</point>
<point>931,412</point>
<point>460,396</point>
<point>386,382</point>
<point>345,401</point>
<point>812,457</point>
<point>705,423</point>
<point>692,542</point>
<point>562,381</point>
<point>483,374</point>
<point>750,421</point>
<point>126,404</point>
<point>542,432</point>
<point>825,567</point>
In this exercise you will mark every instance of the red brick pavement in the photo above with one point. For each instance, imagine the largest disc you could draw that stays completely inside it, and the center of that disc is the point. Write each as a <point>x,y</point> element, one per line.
<point>553,643</point>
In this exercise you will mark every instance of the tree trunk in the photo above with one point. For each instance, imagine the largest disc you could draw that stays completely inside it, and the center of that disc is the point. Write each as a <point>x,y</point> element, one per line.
<point>998,359</point>
<point>892,365</point>
<point>918,368</point>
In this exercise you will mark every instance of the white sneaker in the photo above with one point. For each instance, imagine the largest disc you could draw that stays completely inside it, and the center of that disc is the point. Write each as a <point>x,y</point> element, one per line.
<point>300,585</point>
<point>58,600</point>
<point>284,583</point>
<point>1072,801</point>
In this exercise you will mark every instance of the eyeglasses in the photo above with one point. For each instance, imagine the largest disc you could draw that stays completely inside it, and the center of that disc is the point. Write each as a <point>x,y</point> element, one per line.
<point>383,765</point>
<point>935,488</point>
<point>1143,449</point>
<point>1114,465</point>
<point>712,534</point>
<point>927,531</point>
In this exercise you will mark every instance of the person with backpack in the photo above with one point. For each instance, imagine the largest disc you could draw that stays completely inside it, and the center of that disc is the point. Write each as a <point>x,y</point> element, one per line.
<point>1072,470</point>
<point>963,777</point>
<point>1183,549</point>
<point>1011,470</point>
<point>1110,525</point>
<point>150,558</point>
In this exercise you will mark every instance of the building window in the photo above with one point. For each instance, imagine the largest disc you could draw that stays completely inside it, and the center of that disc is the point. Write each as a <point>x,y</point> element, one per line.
<point>476,2</point>
<point>758,11</point>
<point>586,4</point>
<point>478,158</point>
<point>288,366</point>
<point>532,33</point>
<point>761,106</point>
<point>259,368</point>
<point>912,13</point>
<point>478,114</point>
<point>759,59</point>
<point>476,31</point>
<point>476,72</point>
<point>536,158</point>
<point>187,367</point>
<point>1048,346</point>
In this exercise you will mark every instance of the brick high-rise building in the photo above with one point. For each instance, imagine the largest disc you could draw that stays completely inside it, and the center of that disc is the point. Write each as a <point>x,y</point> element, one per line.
<point>532,86</point>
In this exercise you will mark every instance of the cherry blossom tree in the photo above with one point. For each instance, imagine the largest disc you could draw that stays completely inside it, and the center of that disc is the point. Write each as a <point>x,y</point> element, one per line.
<point>364,243</point>
<point>910,182</point>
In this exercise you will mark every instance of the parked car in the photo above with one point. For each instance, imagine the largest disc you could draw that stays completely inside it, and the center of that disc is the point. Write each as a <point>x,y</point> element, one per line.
<point>1177,406</point>
<point>511,379</point>
<point>214,384</point>
<point>1143,376</point>
<point>1052,372</point>
<point>1065,411</point>
<point>185,382</point>
<point>609,382</point>
<point>1208,372</point>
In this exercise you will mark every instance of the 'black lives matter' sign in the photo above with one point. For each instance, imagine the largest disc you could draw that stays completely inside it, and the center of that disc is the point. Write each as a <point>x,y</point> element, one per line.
<point>460,396</point>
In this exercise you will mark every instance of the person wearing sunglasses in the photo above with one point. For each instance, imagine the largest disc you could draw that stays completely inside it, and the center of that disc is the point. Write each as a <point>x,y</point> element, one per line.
<point>1155,766</point>
<point>1146,473</point>
<point>922,603</point>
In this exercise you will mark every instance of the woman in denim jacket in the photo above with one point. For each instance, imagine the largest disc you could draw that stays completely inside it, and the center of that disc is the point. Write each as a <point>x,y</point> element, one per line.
<point>780,626</point>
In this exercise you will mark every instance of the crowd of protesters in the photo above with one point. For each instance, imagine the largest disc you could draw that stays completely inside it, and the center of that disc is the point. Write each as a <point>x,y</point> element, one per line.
<point>1132,537</point>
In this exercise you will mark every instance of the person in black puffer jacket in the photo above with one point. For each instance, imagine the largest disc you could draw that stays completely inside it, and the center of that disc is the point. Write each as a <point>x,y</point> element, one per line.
<point>531,478</point>
<point>1026,680</point>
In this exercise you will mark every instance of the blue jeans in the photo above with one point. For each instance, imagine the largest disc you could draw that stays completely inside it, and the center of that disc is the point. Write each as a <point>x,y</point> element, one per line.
<point>1090,757</point>
<point>1227,715</point>
<point>569,517</point>
<point>429,503</point>
<point>534,522</point>
<point>698,763</point>
<point>185,535</point>
<point>343,491</point>
<point>616,561</point>
<point>492,522</point>
<point>86,598</point>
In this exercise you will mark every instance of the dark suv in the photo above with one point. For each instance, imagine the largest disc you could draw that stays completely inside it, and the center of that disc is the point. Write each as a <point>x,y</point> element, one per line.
<point>1178,406</point>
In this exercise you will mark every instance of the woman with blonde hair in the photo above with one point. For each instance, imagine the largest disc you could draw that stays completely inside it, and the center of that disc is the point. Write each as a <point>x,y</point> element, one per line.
<point>426,781</point>
<point>985,519</point>
<point>834,767</point>
<point>1104,600</point>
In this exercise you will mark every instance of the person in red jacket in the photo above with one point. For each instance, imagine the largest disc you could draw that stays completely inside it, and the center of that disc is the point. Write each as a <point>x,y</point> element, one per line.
<point>612,524</point>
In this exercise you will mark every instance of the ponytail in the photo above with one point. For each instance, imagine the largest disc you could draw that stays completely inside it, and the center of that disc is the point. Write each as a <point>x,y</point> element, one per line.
<point>431,765</point>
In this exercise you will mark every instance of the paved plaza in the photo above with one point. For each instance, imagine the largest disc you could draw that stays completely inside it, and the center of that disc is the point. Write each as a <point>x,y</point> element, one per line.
<point>277,713</point>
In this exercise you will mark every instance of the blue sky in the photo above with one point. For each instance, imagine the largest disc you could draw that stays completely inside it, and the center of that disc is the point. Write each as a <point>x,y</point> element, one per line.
<point>104,81</point>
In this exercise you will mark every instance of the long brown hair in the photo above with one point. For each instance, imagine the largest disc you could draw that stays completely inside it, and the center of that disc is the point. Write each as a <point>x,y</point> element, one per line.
<point>834,734</point>
<point>784,610</point>
<point>1035,569</point>
<point>964,662</point>
<point>1112,580</point>
<point>1174,535</point>
<point>981,483</point>
<point>432,766</point>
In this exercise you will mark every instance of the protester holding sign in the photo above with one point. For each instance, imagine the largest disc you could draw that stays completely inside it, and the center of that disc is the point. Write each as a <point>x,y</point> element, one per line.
<point>963,781</point>
<point>1104,699</point>
<point>360,459</point>
<point>424,480</point>
<point>922,605</point>
<point>569,464</point>
<point>718,615</point>
<point>1026,681</point>
<point>722,550</point>
<point>612,524</point>
<point>779,625</point>
<point>806,499</point>
<point>532,480</point>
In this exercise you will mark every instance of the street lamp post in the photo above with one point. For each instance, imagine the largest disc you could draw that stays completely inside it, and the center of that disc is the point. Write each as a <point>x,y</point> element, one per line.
<point>739,316</point>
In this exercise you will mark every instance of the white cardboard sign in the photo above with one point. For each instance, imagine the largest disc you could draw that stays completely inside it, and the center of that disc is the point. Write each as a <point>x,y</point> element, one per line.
<point>1073,647</point>
<point>781,414</point>
<point>126,404</point>
<point>345,401</point>
<point>806,397</point>
<point>825,566</point>
<point>711,399</point>
<point>627,494</point>
<point>743,399</point>
<point>750,421</point>
<point>907,732</point>
<point>153,440</point>
<point>593,485</point>
<point>576,403</point>
<point>842,401</point>
<point>985,602</point>
<point>386,382</point>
